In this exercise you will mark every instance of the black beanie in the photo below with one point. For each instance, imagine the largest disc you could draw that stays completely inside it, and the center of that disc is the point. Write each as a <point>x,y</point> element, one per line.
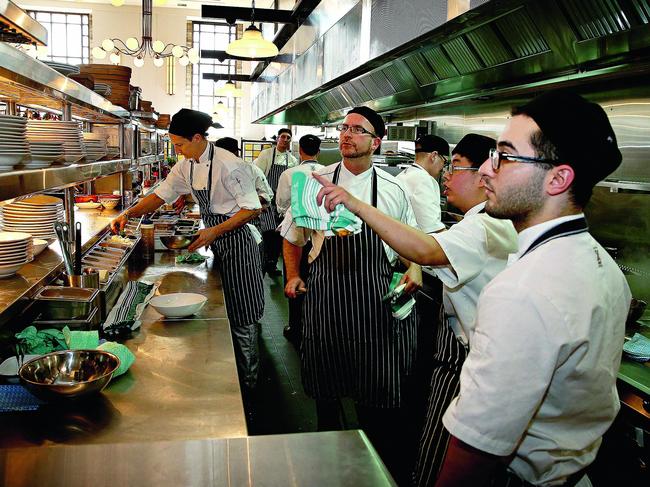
<point>475,147</point>
<point>373,117</point>
<point>186,123</point>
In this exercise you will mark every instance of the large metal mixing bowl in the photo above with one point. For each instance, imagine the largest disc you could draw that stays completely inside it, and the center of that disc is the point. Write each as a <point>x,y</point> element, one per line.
<point>68,374</point>
<point>177,242</point>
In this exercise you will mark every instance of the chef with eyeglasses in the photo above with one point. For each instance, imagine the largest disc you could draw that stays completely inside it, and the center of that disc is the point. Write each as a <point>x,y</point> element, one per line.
<point>222,185</point>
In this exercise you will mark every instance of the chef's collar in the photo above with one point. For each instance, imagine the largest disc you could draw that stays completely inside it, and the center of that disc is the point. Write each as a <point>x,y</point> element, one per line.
<point>350,175</point>
<point>475,209</point>
<point>308,160</point>
<point>205,157</point>
<point>526,237</point>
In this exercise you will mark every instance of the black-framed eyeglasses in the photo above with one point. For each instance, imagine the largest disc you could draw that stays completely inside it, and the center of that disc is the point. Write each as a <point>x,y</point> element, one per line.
<point>355,129</point>
<point>450,168</point>
<point>497,156</point>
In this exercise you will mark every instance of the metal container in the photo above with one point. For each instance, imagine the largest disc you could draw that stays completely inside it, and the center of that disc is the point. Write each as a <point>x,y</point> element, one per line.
<point>65,303</point>
<point>85,280</point>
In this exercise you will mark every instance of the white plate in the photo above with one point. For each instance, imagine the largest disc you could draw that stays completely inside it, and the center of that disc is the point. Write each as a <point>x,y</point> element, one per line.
<point>88,205</point>
<point>10,366</point>
<point>10,270</point>
<point>14,237</point>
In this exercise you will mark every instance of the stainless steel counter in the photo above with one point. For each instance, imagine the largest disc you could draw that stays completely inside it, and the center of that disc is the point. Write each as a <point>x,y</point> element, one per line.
<point>333,459</point>
<point>182,386</point>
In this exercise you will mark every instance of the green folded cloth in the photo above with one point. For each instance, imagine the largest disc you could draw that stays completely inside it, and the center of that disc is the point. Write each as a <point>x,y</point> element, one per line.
<point>638,348</point>
<point>308,214</point>
<point>190,258</point>
<point>401,304</point>
<point>123,353</point>
<point>81,340</point>
<point>39,342</point>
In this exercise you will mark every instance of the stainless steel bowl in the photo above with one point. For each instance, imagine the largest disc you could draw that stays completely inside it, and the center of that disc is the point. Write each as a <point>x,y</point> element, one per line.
<point>177,242</point>
<point>68,374</point>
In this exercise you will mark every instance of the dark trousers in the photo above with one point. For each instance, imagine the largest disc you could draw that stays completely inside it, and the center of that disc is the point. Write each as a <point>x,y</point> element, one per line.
<point>272,248</point>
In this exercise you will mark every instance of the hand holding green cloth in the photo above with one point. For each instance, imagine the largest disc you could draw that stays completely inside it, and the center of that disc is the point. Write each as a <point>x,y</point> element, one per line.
<point>401,304</point>
<point>307,213</point>
<point>40,342</point>
<point>190,258</point>
<point>123,353</point>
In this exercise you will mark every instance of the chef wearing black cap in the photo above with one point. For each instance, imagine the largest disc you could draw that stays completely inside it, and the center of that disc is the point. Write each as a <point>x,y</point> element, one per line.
<point>222,185</point>
<point>431,153</point>
<point>352,345</point>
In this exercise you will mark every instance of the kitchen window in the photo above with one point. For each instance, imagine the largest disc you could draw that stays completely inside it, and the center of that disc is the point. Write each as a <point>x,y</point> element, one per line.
<point>68,36</point>
<point>213,36</point>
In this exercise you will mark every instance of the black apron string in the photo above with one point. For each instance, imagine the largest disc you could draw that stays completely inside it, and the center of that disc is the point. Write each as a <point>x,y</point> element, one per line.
<point>335,180</point>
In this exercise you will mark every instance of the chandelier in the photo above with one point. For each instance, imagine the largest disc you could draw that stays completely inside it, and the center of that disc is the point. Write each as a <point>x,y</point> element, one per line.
<point>145,47</point>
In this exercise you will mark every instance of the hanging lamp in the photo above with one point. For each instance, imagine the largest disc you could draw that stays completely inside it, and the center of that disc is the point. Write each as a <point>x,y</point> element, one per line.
<point>229,89</point>
<point>252,45</point>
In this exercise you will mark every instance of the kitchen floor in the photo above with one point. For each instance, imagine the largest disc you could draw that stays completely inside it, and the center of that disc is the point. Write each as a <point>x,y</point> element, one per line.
<point>279,405</point>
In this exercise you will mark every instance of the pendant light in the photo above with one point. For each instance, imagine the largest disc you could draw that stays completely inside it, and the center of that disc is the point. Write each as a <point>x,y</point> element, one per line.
<point>252,45</point>
<point>229,89</point>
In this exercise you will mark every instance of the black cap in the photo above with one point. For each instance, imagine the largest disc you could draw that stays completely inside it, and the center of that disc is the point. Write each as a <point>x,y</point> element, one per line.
<point>580,130</point>
<point>373,117</point>
<point>475,147</point>
<point>432,143</point>
<point>310,144</point>
<point>186,123</point>
<point>229,144</point>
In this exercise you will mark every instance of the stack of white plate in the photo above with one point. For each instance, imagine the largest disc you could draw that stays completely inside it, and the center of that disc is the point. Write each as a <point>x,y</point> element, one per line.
<point>66,133</point>
<point>13,146</point>
<point>44,154</point>
<point>95,146</point>
<point>64,69</point>
<point>103,89</point>
<point>34,215</point>
<point>16,249</point>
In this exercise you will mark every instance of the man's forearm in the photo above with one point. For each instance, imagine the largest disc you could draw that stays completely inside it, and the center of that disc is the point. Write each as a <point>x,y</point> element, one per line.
<point>407,241</point>
<point>148,204</point>
<point>242,217</point>
<point>291,254</point>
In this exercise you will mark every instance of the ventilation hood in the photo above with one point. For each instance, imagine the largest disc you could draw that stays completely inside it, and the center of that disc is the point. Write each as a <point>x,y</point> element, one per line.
<point>497,51</point>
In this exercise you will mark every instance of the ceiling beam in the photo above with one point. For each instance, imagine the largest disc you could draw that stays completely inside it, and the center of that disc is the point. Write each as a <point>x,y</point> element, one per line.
<point>223,55</point>
<point>233,14</point>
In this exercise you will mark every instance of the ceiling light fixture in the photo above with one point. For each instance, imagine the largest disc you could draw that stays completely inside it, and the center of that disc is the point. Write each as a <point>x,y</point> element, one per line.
<point>229,89</point>
<point>252,45</point>
<point>146,47</point>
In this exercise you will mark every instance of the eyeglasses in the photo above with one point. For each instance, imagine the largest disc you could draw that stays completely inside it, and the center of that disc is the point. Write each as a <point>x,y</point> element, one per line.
<point>450,168</point>
<point>355,129</point>
<point>496,157</point>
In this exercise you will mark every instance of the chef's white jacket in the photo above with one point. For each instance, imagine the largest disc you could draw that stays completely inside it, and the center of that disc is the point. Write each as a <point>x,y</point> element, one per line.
<point>264,161</point>
<point>477,248</point>
<point>392,199</point>
<point>424,194</point>
<point>540,377</point>
<point>233,187</point>
<point>283,193</point>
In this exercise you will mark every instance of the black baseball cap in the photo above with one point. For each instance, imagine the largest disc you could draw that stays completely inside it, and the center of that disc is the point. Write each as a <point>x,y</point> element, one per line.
<point>432,143</point>
<point>310,144</point>
<point>186,123</point>
<point>475,147</point>
<point>229,144</point>
<point>580,130</point>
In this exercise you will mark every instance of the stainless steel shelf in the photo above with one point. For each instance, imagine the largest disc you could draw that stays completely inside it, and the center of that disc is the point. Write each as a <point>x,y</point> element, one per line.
<point>147,160</point>
<point>23,26</point>
<point>614,186</point>
<point>29,82</point>
<point>18,183</point>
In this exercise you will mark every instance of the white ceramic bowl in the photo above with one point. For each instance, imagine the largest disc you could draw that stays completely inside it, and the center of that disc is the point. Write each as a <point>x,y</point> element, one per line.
<point>39,246</point>
<point>109,204</point>
<point>178,305</point>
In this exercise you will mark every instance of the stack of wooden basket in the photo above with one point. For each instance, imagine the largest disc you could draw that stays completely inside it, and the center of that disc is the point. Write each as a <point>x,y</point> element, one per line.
<point>117,77</point>
<point>145,106</point>
<point>86,80</point>
<point>163,121</point>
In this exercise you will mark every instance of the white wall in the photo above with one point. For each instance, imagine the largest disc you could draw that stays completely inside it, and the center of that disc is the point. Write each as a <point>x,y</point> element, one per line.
<point>168,25</point>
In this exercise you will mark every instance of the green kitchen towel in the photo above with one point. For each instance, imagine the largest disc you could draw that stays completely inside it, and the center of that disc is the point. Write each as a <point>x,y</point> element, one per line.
<point>190,258</point>
<point>40,342</point>
<point>307,213</point>
<point>401,304</point>
<point>638,348</point>
<point>123,353</point>
<point>81,340</point>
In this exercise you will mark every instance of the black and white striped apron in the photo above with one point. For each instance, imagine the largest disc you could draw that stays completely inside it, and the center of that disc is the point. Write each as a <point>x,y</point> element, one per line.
<point>352,346</point>
<point>238,259</point>
<point>269,217</point>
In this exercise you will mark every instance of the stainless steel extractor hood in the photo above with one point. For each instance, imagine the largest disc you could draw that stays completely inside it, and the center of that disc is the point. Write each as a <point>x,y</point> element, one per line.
<point>498,50</point>
<point>17,26</point>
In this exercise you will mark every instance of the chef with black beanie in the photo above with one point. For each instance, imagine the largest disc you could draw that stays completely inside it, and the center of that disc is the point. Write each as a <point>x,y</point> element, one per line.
<point>221,183</point>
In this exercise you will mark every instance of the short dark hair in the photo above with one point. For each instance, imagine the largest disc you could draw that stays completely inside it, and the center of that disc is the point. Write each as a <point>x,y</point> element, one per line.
<point>580,190</point>
<point>229,144</point>
<point>310,144</point>
<point>284,131</point>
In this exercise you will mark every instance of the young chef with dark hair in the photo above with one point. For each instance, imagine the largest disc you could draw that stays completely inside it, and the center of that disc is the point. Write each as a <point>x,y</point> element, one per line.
<point>538,388</point>
<point>352,346</point>
<point>273,162</point>
<point>222,185</point>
